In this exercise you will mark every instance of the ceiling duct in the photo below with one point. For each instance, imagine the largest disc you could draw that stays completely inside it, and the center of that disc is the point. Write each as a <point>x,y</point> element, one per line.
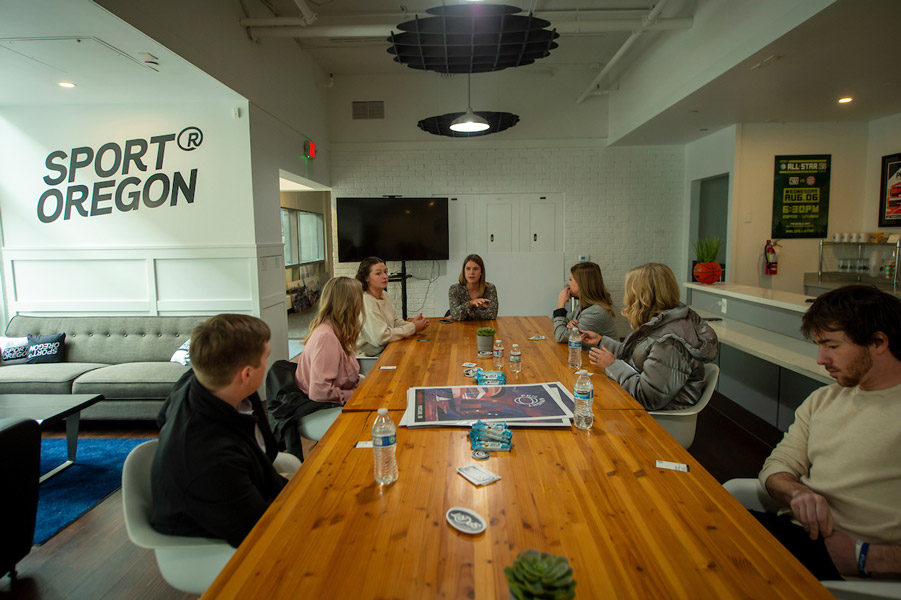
<point>440,125</point>
<point>472,38</point>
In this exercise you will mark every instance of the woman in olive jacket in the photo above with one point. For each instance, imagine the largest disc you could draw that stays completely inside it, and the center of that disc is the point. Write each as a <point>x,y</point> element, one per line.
<point>661,362</point>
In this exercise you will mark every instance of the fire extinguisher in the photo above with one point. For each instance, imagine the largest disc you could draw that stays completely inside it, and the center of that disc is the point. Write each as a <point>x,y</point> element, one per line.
<point>772,261</point>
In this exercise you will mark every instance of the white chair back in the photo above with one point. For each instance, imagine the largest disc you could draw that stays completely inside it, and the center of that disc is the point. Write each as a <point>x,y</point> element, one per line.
<point>189,564</point>
<point>682,424</point>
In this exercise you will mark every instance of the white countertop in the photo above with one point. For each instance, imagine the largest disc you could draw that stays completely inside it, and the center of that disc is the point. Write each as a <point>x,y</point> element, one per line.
<point>791,353</point>
<point>779,299</point>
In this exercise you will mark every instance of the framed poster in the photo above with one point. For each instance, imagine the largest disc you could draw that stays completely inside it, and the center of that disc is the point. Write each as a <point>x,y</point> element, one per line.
<point>890,191</point>
<point>801,196</point>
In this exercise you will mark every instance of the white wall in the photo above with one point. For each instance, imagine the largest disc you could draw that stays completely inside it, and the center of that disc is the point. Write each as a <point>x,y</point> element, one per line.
<point>624,206</point>
<point>884,139</point>
<point>191,258</point>
<point>753,193</point>
<point>531,92</point>
<point>679,62</point>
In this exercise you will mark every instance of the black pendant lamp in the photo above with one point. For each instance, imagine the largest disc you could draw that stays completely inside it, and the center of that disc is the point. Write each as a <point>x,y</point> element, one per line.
<point>472,38</point>
<point>441,124</point>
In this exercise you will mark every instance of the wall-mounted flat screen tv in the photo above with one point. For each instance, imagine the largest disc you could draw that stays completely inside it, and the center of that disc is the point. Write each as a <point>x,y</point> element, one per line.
<point>392,228</point>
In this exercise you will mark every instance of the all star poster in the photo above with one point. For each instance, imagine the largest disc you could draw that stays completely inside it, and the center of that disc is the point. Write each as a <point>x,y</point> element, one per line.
<point>801,196</point>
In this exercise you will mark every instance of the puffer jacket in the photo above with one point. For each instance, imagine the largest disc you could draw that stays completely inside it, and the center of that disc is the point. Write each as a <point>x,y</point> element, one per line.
<point>661,364</point>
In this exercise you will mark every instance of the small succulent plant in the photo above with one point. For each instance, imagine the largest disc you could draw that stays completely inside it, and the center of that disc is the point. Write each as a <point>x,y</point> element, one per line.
<point>537,574</point>
<point>485,331</point>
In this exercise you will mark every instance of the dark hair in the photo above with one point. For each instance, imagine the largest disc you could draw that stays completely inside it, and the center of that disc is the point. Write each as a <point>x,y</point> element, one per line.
<point>223,344</point>
<point>591,286</point>
<point>859,311</point>
<point>365,267</point>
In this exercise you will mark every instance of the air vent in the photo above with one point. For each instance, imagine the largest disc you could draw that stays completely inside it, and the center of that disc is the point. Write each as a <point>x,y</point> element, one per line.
<point>374,109</point>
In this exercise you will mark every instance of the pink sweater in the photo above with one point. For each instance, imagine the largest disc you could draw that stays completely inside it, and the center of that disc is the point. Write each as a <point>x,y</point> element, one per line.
<point>325,372</point>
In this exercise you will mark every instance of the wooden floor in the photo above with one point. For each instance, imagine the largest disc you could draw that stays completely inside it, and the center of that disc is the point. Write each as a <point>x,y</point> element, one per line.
<point>93,559</point>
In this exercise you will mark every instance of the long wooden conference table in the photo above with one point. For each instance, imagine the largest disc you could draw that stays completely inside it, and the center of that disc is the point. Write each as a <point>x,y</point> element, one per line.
<point>629,529</point>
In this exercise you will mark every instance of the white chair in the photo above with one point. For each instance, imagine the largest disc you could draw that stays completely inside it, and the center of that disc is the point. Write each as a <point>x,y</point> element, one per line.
<point>189,564</point>
<point>752,496</point>
<point>366,363</point>
<point>681,424</point>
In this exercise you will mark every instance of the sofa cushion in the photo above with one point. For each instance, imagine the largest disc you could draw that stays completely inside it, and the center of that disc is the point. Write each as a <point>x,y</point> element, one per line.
<point>51,378</point>
<point>13,350</point>
<point>46,348</point>
<point>131,380</point>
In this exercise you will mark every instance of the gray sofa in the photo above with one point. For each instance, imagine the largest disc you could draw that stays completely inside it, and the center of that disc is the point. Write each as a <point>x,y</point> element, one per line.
<point>127,359</point>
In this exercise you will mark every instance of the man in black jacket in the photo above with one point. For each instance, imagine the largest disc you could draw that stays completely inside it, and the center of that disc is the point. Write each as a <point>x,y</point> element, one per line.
<point>212,475</point>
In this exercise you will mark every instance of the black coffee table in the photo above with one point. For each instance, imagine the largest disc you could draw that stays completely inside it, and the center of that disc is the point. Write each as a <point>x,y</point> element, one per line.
<point>48,409</point>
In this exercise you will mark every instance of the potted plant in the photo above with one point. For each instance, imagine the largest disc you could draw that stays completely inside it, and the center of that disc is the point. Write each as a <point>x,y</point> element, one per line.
<point>707,270</point>
<point>537,574</point>
<point>485,339</point>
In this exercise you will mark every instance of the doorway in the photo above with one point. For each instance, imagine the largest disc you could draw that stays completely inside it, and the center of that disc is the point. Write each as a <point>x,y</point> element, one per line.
<point>710,216</point>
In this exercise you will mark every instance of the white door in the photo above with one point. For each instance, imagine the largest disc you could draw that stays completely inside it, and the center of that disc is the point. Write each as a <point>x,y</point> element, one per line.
<point>501,228</point>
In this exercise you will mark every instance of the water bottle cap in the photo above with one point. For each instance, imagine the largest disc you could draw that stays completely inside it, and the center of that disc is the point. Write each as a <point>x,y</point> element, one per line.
<point>383,411</point>
<point>583,372</point>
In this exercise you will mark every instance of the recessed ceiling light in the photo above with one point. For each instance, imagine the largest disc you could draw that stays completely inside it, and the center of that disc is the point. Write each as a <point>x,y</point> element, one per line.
<point>844,100</point>
<point>66,84</point>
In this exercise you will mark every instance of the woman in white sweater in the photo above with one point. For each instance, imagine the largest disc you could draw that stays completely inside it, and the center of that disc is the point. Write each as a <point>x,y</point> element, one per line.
<point>381,325</point>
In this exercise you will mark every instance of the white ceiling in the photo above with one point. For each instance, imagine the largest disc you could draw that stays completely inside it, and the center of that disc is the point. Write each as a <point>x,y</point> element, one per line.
<point>847,49</point>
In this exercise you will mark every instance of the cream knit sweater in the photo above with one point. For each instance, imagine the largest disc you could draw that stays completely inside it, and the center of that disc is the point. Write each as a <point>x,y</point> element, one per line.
<point>845,444</point>
<point>381,325</point>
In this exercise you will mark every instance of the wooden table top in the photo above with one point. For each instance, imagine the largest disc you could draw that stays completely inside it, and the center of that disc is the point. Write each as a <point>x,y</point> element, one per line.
<point>435,357</point>
<point>630,530</point>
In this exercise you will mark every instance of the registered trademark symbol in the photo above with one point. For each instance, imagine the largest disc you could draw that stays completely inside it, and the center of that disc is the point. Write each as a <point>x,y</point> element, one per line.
<point>190,138</point>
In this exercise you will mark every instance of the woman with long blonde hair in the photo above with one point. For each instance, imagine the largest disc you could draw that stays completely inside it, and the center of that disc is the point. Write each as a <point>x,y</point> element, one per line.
<point>661,362</point>
<point>327,370</point>
<point>595,312</point>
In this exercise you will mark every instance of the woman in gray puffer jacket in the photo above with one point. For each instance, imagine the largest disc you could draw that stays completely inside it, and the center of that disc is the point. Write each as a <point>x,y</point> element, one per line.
<point>661,363</point>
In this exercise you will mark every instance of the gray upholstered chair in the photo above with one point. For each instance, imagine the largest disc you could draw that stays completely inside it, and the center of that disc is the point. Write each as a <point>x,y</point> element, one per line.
<point>189,564</point>
<point>752,496</point>
<point>681,424</point>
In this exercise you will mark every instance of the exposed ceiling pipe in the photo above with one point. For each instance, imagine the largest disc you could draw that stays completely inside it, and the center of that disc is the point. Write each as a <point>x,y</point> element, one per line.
<point>646,24</point>
<point>306,13</point>
<point>290,27</point>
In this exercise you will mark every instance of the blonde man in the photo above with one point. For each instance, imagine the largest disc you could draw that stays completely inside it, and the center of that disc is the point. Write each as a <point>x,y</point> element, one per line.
<point>661,362</point>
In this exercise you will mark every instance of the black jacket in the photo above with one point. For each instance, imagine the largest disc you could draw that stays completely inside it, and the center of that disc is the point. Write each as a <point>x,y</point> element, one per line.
<point>209,477</point>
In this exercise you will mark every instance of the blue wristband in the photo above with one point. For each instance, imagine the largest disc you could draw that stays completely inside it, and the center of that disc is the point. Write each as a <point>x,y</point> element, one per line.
<point>860,549</point>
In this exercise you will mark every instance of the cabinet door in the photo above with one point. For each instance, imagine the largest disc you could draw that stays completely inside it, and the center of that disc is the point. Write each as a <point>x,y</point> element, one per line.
<point>542,227</point>
<point>500,226</point>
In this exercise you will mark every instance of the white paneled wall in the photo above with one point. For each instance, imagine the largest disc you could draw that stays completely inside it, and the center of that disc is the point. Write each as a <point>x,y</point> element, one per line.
<point>623,206</point>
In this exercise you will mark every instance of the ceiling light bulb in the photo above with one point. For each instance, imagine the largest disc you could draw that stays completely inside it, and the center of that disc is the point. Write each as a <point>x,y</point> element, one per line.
<point>469,122</point>
<point>844,100</point>
<point>66,84</point>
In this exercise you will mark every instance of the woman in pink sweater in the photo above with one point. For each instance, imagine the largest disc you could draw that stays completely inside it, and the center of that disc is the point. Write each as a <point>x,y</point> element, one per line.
<point>327,370</point>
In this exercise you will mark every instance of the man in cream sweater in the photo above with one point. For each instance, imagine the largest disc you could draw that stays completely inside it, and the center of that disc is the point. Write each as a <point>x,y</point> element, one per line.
<point>838,467</point>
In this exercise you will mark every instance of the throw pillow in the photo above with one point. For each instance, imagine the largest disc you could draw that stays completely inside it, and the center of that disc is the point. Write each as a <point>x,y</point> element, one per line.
<point>46,348</point>
<point>13,351</point>
<point>182,356</point>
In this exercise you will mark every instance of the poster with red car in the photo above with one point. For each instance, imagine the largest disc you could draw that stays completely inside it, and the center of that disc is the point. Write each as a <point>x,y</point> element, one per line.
<point>890,196</point>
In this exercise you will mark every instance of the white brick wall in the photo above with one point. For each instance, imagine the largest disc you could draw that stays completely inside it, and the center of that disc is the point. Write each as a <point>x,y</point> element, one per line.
<point>624,206</point>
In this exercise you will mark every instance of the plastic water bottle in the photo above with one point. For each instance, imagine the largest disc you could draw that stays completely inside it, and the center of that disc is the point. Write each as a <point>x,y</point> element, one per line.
<point>498,354</point>
<point>384,443</point>
<point>515,359</point>
<point>575,349</point>
<point>584,398</point>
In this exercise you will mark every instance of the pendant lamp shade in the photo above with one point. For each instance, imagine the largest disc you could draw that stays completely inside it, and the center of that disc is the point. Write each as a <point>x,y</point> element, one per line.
<point>441,124</point>
<point>472,38</point>
<point>469,122</point>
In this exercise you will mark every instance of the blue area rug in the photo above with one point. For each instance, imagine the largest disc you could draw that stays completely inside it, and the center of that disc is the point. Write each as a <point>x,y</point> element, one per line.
<point>96,474</point>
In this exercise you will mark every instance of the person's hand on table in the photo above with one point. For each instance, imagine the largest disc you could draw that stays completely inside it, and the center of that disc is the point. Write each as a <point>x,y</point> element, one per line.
<point>476,302</point>
<point>420,322</point>
<point>563,297</point>
<point>601,357</point>
<point>590,338</point>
